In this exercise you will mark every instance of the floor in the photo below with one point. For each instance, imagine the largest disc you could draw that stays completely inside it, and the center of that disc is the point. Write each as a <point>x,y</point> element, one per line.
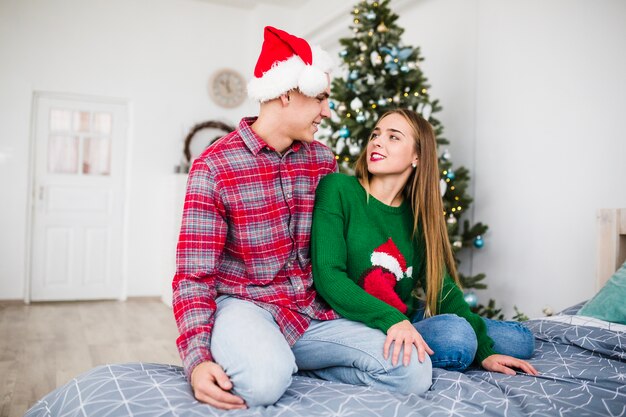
<point>44,345</point>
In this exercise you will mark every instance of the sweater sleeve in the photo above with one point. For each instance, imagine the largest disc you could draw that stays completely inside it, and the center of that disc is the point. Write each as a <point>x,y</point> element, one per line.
<point>329,258</point>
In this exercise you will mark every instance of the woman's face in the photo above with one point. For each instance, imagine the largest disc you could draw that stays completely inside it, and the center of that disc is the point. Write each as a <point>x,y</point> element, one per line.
<point>391,148</point>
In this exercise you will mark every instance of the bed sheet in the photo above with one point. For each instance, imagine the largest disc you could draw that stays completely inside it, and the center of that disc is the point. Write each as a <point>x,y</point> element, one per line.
<point>583,373</point>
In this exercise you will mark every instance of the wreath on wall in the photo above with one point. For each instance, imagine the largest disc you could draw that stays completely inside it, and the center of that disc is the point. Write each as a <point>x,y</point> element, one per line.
<point>199,138</point>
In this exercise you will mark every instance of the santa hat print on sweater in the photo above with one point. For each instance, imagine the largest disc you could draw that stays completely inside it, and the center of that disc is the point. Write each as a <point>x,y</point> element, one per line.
<point>287,62</point>
<point>389,257</point>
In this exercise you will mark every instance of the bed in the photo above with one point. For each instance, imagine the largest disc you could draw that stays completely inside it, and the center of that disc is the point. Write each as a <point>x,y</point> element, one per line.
<point>582,361</point>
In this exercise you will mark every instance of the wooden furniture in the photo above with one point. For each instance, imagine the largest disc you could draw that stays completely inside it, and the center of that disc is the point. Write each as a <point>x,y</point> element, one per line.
<point>611,243</point>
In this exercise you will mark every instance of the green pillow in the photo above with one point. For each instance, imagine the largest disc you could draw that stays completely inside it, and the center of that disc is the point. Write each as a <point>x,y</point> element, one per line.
<point>610,303</point>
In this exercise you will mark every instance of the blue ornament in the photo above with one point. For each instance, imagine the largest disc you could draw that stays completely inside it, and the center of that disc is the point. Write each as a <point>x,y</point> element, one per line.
<point>404,68</point>
<point>343,53</point>
<point>450,175</point>
<point>479,242</point>
<point>354,74</point>
<point>360,117</point>
<point>331,104</point>
<point>471,299</point>
<point>394,52</point>
<point>395,56</point>
<point>344,132</point>
<point>382,102</point>
<point>370,16</point>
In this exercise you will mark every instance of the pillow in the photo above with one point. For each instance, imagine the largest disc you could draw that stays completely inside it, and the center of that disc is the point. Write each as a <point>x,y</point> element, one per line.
<point>610,303</point>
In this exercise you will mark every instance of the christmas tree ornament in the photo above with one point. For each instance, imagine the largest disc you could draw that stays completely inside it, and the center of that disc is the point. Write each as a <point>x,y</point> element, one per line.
<point>370,15</point>
<point>404,68</point>
<point>457,244</point>
<point>446,155</point>
<point>451,219</point>
<point>471,299</point>
<point>479,242</point>
<point>360,117</point>
<point>356,104</point>
<point>341,143</point>
<point>371,79</point>
<point>376,58</point>
<point>341,108</point>
<point>354,74</point>
<point>343,53</point>
<point>344,132</point>
<point>363,47</point>
<point>382,28</point>
<point>426,111</point>
<point>443,186</point>
<point>450,175</point>
<point>381,102</point>
<point>331,104</point>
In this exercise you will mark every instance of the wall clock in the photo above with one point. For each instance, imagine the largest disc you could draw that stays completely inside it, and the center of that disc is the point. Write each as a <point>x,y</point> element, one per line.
<point>227,88</point>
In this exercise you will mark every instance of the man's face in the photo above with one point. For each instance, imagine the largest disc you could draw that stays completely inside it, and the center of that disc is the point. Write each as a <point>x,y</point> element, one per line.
<point>306,113</point>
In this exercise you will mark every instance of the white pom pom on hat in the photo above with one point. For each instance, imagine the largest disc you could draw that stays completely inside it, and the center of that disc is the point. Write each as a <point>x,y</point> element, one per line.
<point>288,62</point>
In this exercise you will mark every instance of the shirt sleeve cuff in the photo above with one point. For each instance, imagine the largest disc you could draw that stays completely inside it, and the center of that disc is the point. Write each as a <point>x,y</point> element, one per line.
<point>195,358</point>
<point>483,352</point>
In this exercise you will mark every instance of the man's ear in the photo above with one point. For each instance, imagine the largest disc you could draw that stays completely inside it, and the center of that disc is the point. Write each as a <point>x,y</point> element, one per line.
<point>284,98</point>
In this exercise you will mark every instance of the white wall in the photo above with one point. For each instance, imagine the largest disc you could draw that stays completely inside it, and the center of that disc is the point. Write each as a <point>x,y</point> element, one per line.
<point>532,93</point>
<point>550,143</point>
<point>158,54</point>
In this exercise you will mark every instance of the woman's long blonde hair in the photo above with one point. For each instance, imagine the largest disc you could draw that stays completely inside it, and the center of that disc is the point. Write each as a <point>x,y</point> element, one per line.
<point>422,190</point>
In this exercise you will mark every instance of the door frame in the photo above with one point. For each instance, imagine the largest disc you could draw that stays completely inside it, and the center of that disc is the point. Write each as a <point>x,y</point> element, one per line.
<point>31,198</point>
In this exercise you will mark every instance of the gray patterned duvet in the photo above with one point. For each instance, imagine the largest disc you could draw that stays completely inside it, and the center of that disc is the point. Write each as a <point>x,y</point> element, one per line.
<point>583,373</point>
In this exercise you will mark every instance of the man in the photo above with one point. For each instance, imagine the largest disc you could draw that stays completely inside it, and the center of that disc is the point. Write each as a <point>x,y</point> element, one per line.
<point>244,303</point>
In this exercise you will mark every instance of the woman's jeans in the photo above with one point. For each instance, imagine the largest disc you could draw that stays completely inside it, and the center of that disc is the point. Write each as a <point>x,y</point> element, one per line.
<point>454,342</point>
<point>247,342</point>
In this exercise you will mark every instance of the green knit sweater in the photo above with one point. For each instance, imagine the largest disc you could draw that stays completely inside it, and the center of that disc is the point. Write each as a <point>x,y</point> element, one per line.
<point>351,235</point>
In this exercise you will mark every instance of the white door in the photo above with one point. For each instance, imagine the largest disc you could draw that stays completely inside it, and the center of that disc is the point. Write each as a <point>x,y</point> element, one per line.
<point>78,198</point>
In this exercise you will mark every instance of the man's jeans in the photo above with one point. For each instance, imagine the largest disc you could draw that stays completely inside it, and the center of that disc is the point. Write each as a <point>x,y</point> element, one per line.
<point>247,343</point>
<point>454,342</point>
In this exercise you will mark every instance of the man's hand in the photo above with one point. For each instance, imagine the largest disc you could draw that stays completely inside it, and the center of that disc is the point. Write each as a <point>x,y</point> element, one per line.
<point>211,385</point>
<point>504,365</point>
<point>404,334</point>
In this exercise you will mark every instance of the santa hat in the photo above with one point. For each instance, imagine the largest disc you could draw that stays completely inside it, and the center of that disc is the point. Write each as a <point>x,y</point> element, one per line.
<point>288,62</point>
<point>389,257</point>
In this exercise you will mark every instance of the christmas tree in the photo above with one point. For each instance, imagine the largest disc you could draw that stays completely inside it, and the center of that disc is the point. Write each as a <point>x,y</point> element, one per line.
<point>382,73</point>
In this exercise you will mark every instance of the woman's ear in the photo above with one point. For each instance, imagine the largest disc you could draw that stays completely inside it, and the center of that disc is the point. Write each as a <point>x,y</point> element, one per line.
<point>414,163</point>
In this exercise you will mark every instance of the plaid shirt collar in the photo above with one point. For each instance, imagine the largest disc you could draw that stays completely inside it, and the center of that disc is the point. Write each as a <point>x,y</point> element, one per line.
<point>255,143</point>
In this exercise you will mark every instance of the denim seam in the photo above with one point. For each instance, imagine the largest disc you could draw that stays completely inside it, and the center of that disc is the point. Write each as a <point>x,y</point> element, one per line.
<point>337,342</point>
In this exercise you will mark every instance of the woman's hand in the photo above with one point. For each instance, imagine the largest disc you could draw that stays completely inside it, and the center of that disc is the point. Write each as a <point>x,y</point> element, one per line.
<point>404,334</point>
<point>504,365</point>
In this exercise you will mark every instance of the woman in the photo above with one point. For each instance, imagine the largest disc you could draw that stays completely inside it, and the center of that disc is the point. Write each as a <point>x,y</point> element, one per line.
<point>381,256</point>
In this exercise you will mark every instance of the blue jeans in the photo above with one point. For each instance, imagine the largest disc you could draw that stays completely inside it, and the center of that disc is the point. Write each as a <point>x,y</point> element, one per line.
<point>454,341</point>
<point>246,341</point>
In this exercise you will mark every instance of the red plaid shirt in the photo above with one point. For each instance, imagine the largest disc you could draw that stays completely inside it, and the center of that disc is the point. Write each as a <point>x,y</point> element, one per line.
<point>245,232</point>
